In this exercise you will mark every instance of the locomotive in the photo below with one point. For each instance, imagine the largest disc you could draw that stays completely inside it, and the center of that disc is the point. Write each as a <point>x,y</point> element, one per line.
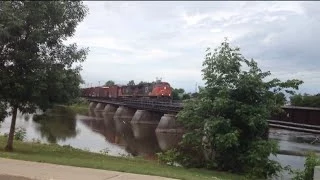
<point>157,90</point>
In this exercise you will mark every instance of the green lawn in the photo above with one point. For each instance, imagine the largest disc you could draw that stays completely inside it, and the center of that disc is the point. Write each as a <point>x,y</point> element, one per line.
<point>69,156</point>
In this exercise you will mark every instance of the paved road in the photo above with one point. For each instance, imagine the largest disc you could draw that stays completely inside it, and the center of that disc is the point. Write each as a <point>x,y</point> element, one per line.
<point>24,170</point>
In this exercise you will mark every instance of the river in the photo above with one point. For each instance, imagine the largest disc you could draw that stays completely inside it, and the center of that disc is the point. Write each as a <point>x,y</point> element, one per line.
<point>97,133</point>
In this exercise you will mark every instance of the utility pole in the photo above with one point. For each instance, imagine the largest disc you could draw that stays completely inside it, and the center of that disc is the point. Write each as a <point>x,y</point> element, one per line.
<point>196,87</point>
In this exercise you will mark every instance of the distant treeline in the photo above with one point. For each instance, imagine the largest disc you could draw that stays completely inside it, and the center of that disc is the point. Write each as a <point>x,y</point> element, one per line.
<point>306,100</point>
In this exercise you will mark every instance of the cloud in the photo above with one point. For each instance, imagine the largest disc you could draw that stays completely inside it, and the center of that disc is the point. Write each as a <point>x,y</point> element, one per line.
<point>144,40</point>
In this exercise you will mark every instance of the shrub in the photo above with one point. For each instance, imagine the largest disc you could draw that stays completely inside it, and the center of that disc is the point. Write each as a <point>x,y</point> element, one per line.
<point>226,123</point>
<point>20,134</point>
<point>307,174</point>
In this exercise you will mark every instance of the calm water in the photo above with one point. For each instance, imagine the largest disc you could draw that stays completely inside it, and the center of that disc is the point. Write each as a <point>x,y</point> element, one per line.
<point>97,132</point>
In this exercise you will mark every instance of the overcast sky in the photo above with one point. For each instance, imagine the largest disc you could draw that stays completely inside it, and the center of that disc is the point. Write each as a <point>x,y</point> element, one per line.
<point>145,40</point>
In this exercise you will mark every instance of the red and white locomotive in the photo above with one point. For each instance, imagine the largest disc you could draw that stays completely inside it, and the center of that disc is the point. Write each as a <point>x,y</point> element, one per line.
<point>159,90</point>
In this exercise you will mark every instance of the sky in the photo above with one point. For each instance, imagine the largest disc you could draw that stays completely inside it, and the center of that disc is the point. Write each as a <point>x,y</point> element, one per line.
<point>141,41</point>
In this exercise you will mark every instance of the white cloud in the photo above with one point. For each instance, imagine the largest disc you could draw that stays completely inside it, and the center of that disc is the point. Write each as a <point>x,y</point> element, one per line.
<point>144,40</point>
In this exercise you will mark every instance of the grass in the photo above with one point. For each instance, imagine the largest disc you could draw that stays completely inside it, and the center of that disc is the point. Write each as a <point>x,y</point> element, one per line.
<point>66,155</point>
<point>81,107</point>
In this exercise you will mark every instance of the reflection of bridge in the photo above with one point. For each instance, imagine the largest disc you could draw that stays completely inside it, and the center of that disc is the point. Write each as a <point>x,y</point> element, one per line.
<point>293,118</point>
<point>135,138</point>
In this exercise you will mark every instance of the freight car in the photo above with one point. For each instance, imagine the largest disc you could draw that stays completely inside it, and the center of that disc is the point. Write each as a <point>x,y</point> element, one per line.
<point>159,90</point>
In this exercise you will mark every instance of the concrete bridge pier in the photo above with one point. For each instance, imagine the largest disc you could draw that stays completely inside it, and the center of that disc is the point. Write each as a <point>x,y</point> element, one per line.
<point>122,118</point>
<point>99,107</point>
<point>144,123</point>
<point>92,105</point>
<point>108,113</point>
<point>169,132</point>
<point>109,109</point>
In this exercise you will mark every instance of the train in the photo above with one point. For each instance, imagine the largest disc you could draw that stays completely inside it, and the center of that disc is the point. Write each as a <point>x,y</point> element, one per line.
<point>155,90</point>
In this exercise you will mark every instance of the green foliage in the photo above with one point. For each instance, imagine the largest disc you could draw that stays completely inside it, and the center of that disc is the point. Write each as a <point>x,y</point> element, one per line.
<point>131,83</point>
<point>109,83</point>
<point>20,134</point>
<point>306,100</point>
<point>227,121</point>
<point>3,111</point>
<point>179,94</point>
<point>104,151</point>
<point>186,96</point>
<point>57,124</point>
<point>311,161</point>
<point>143,82</point>
<point>168,157</point>
<point>37,69</point>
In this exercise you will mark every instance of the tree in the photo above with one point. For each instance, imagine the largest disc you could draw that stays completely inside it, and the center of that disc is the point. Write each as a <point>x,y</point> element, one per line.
<point>37,69</point>
<point>3,112</point>
<point>177,93</point>
<point>109,83</point>
<point>306,100</point>
<point>226,124</point>
<point>131,83</point>
<point>185,96</point>
<point>143,82</point>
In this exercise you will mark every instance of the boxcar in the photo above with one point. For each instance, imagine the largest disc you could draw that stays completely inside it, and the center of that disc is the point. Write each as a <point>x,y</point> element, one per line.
<point>113,91</point>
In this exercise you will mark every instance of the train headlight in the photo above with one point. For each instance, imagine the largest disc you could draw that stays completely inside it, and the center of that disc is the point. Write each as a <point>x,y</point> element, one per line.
<point>165,87</point>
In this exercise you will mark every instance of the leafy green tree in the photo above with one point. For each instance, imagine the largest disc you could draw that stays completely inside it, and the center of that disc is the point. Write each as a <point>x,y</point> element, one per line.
<point>186,96</point>
<point>3,112</point>
<point>226,124</point>
<point>37,69</point>
<point>194,95</point>
<point>131,83</point>
<point>177,93</point>
<point>109,83</point>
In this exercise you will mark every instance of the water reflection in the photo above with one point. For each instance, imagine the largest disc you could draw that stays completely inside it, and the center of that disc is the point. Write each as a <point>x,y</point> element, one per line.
<point>123,135</point>
<point>97,131</point>
<point>54,127</point>
<point>120,132</point>
<point>168,140</point>
<point>102,125</point>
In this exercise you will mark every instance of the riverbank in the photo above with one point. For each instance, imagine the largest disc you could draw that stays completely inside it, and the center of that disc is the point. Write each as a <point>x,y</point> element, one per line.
<point>65,155</point>
<point>80,107</point>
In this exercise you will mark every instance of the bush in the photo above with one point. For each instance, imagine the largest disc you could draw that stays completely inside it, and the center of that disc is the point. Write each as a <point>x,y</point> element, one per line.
<point>168,157</point>
<point>307,174</point>
<point>226,123</point>
<point>19,134</point>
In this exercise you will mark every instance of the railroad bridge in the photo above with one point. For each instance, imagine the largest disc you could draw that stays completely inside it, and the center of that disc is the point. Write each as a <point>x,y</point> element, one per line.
<point>294,118</point>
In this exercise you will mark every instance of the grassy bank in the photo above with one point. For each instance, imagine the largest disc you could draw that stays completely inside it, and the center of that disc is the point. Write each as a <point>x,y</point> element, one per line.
<point>69,156</point>
<point>81,106</point>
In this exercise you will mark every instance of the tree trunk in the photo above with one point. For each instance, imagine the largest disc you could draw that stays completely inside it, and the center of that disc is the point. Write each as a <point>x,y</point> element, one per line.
<point>9,146</point>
